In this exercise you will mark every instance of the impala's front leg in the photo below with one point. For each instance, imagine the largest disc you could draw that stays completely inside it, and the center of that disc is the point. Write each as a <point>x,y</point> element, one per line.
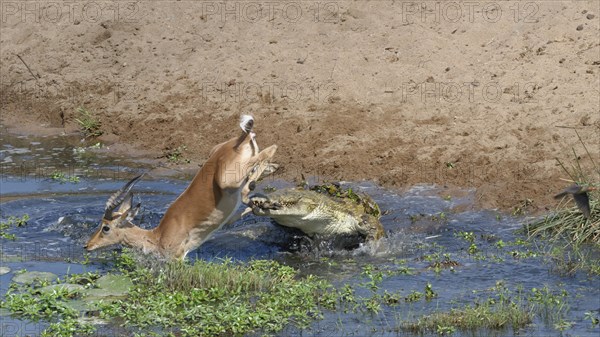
<point>257,167</point>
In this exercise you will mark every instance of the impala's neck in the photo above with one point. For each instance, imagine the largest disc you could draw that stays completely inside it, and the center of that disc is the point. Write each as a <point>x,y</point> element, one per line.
<point>140,238</point>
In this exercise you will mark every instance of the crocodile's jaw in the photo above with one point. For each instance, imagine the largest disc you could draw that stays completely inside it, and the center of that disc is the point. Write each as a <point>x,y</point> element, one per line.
<point>275,209</point>
<point>314,213</point>
<point>262,205</point>
<point>302,214</point>
<point>288,212</point>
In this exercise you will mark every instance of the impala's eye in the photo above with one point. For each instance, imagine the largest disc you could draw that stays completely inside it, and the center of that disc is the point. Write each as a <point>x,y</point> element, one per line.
<point>105,229</point>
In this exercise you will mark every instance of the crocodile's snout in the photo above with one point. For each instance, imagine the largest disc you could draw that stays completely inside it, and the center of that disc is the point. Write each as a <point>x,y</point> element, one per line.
<point>263,202</point>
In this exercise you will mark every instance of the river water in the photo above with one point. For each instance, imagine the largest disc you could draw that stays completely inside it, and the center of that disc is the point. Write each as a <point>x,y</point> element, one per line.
<point>424,224</point>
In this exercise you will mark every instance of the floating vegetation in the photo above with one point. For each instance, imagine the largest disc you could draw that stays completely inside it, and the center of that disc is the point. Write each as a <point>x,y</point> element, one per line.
<point>62,177</point>
<point>12,221</point>
<point>32,276</point>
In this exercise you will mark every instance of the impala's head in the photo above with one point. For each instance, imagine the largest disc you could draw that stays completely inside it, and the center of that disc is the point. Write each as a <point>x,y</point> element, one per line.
<point>117,218</point>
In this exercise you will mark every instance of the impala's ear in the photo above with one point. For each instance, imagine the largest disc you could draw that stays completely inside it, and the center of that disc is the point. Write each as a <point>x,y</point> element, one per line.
<point>119,197</point>
<point>268,153</point>
<point>133,212</point>
<point>125,206</point>
<point>260,164</point>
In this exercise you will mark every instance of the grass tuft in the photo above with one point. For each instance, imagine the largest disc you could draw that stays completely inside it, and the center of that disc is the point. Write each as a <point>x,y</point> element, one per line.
<point>500,311</point>
<point>473,317</point>
<point>233,277</point>
<point>88,123</point>
<point>568,222</point>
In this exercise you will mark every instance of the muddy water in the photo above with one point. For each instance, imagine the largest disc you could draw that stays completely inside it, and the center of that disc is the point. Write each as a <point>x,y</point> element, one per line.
<point>423,224</point>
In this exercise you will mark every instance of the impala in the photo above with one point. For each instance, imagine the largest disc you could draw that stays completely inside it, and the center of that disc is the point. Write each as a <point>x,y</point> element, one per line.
<point>211,200</point>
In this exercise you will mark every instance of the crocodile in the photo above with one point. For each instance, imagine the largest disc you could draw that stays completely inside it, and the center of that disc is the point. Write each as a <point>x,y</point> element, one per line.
<point>326,211</point>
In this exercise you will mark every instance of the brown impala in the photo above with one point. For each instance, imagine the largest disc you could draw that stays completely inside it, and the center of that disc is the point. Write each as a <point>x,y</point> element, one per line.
<point>210,201</point>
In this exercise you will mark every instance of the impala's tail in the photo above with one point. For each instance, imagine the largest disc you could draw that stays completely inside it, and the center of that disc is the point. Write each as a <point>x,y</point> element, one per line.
<point>246,123</point>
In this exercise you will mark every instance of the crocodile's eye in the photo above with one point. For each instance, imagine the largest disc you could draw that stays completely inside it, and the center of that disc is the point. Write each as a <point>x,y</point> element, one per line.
<point>105,229</point>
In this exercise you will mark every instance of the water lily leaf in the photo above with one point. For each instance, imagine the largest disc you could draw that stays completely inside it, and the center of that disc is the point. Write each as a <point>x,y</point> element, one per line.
<point>30,276</point>
<point>115,283</point>
<point>110,287</point>
<point>79,305</point>
<point>92,320</point>
<point>71,288</point>
<point>92,295</point>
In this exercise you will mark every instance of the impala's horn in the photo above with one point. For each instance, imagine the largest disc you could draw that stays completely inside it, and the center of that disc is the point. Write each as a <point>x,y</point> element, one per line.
<point>119,196</point>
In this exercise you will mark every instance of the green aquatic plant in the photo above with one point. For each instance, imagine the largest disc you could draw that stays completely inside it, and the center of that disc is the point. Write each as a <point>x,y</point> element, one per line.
<point>230,298</point>
<point>414,296</point>
<point>593,318</point>
<point>569,240</point>
<point>429,293</point>
<point>374,276</point>
<point>62,177</point>
<point>467,236</point>
<point>550,305</point>
<point>473,317</point>
<point>12,221</point>
<point>205,298</point>
<point>37,299</point>
<point>567,259</point>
